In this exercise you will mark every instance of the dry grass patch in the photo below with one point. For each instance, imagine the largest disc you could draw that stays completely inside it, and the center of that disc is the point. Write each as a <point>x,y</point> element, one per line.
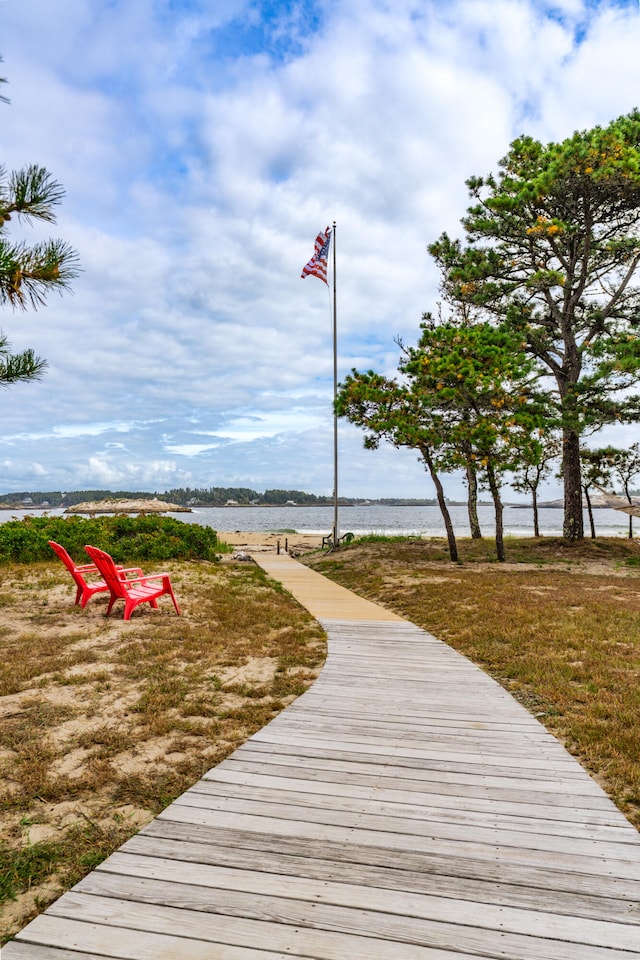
<point>559,628</point>
<point>103,723</point>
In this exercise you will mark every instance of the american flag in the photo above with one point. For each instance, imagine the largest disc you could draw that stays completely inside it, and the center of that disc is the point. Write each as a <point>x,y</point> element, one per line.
<point>317,266</point>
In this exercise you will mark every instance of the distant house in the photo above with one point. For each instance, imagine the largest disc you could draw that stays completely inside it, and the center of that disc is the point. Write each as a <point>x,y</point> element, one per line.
<point>290,503</point>
<point>27,500</point>
<point>231,503</point>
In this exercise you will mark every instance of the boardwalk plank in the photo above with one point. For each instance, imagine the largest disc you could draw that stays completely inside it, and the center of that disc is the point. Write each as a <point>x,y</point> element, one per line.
<point>165,933</point>
<point>344,895</point>
<point>316,928</point>
<point>486,815</point>
<point>405,787</point>
<point>104,939</point>
<point>463,865</point>
<point>429,877</point>
<point>605,861</point>
<point>414,827</point>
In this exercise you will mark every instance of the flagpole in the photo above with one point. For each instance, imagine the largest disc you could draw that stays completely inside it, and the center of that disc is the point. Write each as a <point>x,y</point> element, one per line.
<point>336,530</point>
<point>318,267</point>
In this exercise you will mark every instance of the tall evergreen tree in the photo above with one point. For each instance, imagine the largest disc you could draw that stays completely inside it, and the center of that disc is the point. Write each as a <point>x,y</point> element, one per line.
<point>554,250</point>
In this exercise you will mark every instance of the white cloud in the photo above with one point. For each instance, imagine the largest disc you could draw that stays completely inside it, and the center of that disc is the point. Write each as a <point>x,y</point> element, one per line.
<point>200,161</point>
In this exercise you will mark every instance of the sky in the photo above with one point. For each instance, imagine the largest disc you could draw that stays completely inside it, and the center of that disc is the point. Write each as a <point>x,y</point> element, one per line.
<point>202,146</point>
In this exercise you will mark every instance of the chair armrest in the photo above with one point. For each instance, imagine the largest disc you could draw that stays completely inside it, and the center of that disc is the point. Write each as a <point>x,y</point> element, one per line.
<point>148,576</point>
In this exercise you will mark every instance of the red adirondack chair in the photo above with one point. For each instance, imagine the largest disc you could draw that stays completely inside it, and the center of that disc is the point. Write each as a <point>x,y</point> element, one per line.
<point>134,590</point>
<point>84,589</point>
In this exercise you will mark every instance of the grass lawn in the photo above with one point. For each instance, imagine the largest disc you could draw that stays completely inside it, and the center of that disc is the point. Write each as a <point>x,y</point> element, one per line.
<point>558,626</point>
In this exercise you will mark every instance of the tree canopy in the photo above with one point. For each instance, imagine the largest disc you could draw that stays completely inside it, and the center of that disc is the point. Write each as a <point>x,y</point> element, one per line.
<point>553,251</point>
<point>466,397</point>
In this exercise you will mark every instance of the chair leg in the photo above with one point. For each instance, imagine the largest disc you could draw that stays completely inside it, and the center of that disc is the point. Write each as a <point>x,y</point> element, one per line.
<point>175,602</point>
<point>129,607</point>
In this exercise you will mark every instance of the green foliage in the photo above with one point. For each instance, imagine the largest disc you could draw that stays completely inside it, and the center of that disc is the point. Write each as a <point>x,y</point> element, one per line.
<point>468,398</point>
<point>18,367</point>
<point>282,496</point>
<point>28,273</point>
<point>219,496</point>
<point>127,539</point>
<point>182,496</point>
<point>554,249</point>
<point>482,392</point>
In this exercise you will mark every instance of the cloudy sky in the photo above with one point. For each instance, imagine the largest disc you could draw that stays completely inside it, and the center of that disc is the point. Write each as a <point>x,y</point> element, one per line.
<point>202,145</point>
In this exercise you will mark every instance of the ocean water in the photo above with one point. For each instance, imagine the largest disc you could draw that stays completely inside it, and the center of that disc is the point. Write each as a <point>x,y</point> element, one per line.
<point>376,518</point>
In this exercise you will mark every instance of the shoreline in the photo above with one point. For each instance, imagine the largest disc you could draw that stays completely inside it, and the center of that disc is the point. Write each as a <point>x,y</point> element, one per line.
<point>267,540</point>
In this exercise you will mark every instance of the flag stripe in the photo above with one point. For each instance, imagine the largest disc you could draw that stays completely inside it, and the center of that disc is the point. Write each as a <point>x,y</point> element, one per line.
<point>317,266</point>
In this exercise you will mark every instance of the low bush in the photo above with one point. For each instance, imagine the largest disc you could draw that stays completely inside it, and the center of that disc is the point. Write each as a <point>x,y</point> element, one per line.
<point>125,538</point>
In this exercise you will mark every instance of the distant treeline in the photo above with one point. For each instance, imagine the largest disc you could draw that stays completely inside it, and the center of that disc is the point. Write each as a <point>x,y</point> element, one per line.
<point>193,497</point>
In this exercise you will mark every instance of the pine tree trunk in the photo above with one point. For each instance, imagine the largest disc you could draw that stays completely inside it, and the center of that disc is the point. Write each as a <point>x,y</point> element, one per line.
<point>497,503</point>
<point>573,528</point>
<point>472,503</point>
<point>536,525</point>
<point>442,503</point>
<point>626,490</point>
<point>590,512</point>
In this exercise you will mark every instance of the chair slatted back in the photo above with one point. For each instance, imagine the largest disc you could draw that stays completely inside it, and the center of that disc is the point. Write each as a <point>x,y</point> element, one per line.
<point>105,564</point>
<point>64,556</point>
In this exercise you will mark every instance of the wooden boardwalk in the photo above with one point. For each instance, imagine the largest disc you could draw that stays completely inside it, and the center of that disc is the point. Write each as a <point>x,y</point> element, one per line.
<point>404,808</point>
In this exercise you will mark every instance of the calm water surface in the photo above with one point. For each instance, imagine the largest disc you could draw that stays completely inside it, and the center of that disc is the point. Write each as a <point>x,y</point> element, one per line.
<point>376,518</point>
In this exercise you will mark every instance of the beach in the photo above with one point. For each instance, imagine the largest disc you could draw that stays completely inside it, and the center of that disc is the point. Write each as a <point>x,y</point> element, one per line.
<point>263,540</point>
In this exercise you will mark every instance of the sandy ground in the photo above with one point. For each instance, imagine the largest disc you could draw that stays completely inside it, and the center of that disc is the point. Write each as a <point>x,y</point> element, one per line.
<point>88,739</point>
<point>265,541</point>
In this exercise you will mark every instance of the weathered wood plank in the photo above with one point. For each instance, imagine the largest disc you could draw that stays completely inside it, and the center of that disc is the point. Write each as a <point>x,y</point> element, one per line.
<point>445,878</point>
<point>113,940</point>
<point>280,924</point>
<point>430,862</point>
<point>167,934</point>
<point>30,951</point>
<point>403,788</point>
<point>501,835</point>
<point>606,862</point>
<point>486,814</point>
<point>384,765</point>
<point>344,895</point>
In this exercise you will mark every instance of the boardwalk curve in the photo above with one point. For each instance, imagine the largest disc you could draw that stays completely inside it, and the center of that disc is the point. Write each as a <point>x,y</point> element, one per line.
<point>404,808</point>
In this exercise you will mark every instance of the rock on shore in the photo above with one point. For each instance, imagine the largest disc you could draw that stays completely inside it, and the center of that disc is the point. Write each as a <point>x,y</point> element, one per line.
<point>127,506</point>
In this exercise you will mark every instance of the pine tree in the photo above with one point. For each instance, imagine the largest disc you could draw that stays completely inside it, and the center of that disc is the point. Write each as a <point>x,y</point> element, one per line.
<point>29,272</point>
<point>554,250</point>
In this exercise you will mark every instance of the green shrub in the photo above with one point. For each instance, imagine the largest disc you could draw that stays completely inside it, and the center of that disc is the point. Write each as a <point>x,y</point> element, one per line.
<point>127,539</point>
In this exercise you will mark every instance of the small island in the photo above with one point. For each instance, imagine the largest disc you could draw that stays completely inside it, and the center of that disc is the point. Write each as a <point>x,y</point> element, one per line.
<point>127,506</point>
